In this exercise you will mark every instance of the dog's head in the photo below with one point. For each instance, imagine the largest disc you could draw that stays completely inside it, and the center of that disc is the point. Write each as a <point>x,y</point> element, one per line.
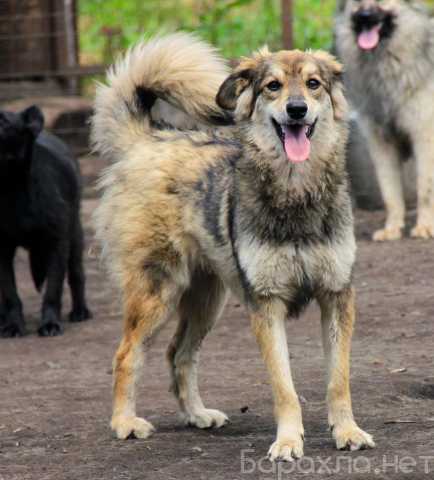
<point>18,132</point>
<point>290,98</point>
<point>375,21</point>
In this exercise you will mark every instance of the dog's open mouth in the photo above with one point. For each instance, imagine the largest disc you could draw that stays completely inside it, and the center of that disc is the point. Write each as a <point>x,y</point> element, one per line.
<point>369,37</point>
<point>295,137</point>
<point>371,26</point>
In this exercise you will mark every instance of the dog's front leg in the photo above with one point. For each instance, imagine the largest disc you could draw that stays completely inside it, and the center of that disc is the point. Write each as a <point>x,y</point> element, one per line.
<point>337,316</point>
<point>425,187</point>
<point>388,168</point>
<point>269,327</point>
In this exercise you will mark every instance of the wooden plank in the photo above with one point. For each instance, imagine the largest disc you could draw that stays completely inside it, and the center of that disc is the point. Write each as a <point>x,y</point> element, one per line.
<point>76,72</point>
<point>287,24</point>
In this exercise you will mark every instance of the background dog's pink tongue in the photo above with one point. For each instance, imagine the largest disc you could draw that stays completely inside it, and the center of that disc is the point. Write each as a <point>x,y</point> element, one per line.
<point>369,39</point>
<point>297,145</point>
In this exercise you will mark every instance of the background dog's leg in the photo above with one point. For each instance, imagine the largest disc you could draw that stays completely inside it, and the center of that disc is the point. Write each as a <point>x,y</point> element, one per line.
<point>424,153</point>
<point>269,328</point>
<point>13,321</point>
<point>199,309</point>
<point>76,277</point>
<point>52,302</point>
<point>388,167</point>
<point>337,316</point>
<point>145,312</point>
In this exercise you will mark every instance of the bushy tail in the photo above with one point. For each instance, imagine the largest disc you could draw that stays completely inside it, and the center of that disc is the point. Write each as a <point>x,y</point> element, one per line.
<point>178,69</point>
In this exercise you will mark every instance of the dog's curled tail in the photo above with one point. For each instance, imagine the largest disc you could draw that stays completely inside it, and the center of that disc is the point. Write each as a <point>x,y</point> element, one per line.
<point>178,69</point>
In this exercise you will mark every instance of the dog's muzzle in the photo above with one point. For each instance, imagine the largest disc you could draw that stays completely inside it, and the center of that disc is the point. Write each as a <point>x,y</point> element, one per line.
<point>370,26</point>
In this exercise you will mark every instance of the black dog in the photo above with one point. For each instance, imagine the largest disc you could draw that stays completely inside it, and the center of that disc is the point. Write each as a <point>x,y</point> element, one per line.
<point>40,211</point>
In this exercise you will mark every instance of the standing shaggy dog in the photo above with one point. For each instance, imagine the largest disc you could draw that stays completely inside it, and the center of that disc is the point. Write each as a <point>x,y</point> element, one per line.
<point>388,50</point>
<point>260,207</point>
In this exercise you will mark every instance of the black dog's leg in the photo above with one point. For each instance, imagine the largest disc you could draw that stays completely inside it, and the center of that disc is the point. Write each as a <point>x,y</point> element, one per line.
<point>12,324</point>
<point>76,278</point>
<point>2,309</point>
<point>52,303</point>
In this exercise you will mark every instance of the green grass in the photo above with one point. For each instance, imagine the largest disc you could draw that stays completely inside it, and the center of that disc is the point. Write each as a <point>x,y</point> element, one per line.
<point>235,26</point>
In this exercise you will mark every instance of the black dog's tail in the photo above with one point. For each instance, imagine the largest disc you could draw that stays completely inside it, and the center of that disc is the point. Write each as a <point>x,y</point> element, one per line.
<point>178,71</point>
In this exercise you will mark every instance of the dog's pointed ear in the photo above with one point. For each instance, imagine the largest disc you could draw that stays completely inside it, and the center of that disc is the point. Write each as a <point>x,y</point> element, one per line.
<point>33,120</point>
<point>332,72</point>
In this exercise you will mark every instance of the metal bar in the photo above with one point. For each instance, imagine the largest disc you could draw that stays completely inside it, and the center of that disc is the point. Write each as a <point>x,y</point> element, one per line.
<point>287,24</point>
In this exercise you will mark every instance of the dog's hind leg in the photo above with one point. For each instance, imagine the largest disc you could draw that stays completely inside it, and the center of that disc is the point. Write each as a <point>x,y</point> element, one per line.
<point>268,323</point>
<point>337,318</point>
<point>424,152</point>
<point>52,303</point>
<point>12,321</point>
<point>148,303</point>
<point>199,308</point>
<point>76,277</point>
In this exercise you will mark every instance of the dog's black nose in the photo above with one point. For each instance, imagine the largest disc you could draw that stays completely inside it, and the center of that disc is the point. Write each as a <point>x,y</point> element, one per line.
<point>367,17</point>
<point>366,13</point>
<point>296,109</point>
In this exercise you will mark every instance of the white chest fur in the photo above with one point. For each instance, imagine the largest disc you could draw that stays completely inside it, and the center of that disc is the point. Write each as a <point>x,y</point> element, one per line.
<point>281,270</point>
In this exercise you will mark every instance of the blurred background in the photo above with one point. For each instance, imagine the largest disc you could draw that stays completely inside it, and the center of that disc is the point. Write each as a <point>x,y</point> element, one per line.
<point>53,51</point>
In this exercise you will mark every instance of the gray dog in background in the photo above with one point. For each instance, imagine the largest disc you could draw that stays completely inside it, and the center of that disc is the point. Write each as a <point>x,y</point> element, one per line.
<point>388,50</point>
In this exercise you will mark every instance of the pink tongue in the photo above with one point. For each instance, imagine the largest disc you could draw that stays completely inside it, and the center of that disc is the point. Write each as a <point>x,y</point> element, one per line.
<point>369,39</point>
<point>297,145</point>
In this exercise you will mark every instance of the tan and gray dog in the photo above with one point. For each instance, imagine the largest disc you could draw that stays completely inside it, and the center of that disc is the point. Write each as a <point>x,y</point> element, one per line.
<point>387,47</point>
<point>260,207</point>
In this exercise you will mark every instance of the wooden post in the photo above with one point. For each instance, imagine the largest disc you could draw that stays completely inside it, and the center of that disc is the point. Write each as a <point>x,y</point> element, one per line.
<point>287,24</point>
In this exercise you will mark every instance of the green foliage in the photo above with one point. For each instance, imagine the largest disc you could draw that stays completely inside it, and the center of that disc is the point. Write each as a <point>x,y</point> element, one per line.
<point>235,26</point>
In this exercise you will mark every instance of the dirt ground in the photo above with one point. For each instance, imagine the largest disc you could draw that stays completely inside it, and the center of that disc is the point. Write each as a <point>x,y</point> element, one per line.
<point>55,393</point>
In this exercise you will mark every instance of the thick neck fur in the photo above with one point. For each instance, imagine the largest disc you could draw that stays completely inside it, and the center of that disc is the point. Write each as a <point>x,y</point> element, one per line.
<point>286,202</point>
<point>266,165</point>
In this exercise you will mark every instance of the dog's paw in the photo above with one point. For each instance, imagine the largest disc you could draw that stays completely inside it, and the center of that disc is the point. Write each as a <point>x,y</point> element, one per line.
<point>390,233</point>
<point>349,436</point>
<point>80,315</point>
<point>422,231</point>
<point>286,449</point>
<point>12,330</point>
<point>50,329</point>
<point>206,418</point>
<point>131,427</point>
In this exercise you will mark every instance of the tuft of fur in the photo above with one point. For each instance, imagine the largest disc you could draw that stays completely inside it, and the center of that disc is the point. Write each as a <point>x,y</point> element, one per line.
<point>152,83</point>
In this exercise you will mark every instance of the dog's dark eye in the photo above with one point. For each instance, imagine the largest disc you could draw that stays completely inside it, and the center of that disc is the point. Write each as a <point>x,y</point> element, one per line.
<point>313,84</point>
<point>274,86</point>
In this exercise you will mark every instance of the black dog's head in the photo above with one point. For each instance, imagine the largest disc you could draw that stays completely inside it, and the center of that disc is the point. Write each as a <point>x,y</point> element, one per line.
<point>18,132</point>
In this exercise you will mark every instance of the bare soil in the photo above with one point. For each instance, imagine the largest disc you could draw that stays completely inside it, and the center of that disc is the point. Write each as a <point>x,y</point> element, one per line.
<point>55,393</point>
